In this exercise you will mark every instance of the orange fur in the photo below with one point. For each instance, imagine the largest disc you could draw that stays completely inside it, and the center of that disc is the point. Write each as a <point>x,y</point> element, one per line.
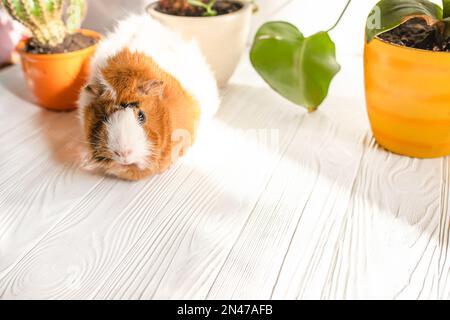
<point>167,111</point>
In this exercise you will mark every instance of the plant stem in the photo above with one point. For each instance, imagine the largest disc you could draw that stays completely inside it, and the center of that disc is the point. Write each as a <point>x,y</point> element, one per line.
<point>208,7</point>
<point>343,12</point>
<point>209,10</point>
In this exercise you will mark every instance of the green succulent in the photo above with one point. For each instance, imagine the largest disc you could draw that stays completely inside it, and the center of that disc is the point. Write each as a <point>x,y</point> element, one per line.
<point>49,21</point>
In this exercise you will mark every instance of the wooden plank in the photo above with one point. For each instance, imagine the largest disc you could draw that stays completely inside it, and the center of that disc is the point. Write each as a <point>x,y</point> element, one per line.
<point>123,215</point>
<point>40,181</point>
<point>16,101</point>
<point>308,195</point>
<point>92,199</point>
<point>312,266</point>
<point>443,236</point>
<point>181,253</point>
<point>85,245</point>
<point>271,203</point>
<point>394,237</point>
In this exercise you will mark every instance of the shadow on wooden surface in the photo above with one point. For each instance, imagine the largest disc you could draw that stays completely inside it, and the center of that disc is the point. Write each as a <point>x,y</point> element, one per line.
<point>334,143</point>
<point>14,82</point>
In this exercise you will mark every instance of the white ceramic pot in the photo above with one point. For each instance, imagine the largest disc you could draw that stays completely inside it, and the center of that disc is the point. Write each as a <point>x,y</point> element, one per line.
<point>222,39</point>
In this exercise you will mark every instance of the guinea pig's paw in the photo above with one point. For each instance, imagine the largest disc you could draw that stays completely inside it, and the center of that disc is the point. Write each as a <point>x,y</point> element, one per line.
<point>90,166</point>
<point>119,167</point>
<point>87,164</point>
<point>143,165</point>
<point>85,161</point>
<point>128,173</point>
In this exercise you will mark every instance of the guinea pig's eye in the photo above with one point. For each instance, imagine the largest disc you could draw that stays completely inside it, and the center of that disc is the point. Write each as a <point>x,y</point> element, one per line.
<point>141,117</point>
<point>125,105</point>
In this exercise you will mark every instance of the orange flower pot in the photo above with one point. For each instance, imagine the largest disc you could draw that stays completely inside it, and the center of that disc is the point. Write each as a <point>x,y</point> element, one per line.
<point>56,79</point>
<point>408,99</point>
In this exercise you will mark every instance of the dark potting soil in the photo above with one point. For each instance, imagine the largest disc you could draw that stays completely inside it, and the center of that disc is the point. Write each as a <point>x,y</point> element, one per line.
<point>184,10</point>
<point>416,33</point>
<point>72,42</point>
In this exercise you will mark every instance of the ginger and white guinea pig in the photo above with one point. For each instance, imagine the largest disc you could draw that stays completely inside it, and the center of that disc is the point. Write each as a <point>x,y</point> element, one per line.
<point>148,90</point>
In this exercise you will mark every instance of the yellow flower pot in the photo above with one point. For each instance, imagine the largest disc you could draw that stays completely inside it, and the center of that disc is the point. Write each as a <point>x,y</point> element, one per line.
<point>408,99</point>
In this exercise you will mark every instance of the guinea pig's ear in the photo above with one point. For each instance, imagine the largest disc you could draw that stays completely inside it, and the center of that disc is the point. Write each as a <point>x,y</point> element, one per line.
<point>151,88</point>
<point>94,89</point>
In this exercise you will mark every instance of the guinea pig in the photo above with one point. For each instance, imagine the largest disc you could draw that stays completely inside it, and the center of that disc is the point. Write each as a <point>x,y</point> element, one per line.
<point>148,90</point>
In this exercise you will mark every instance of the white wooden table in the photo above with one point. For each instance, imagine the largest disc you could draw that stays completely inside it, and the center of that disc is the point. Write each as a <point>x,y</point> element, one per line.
<point>277,204</point>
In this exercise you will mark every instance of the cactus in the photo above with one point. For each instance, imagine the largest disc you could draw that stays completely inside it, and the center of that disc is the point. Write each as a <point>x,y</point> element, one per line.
<point>49,21</point>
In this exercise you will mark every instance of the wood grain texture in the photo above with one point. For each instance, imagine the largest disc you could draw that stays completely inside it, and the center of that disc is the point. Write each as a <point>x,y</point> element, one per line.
<point>271,203</point>
<point>395,235</point>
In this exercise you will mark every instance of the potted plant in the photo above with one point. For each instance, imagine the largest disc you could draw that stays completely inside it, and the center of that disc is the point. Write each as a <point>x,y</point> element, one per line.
<point>407,71</point>
<point>220,28</point>
<point>55,60</point>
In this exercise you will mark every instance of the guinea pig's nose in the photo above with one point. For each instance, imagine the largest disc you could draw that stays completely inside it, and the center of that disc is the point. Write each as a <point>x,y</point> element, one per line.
<point>123,154</point>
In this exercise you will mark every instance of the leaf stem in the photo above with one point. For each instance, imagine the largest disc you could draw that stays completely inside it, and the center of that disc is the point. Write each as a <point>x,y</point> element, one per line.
<point>208,7</point>
<point>340,17</point>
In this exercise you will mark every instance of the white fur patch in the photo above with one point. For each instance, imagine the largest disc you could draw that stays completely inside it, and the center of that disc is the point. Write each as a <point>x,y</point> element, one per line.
<point>127,140</point>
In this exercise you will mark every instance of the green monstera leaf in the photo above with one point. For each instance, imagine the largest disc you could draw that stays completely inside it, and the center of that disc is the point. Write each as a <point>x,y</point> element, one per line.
<point>297,67</point>
<point>301,68</point>
<point>446,6</point>
<point>389,14</point>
